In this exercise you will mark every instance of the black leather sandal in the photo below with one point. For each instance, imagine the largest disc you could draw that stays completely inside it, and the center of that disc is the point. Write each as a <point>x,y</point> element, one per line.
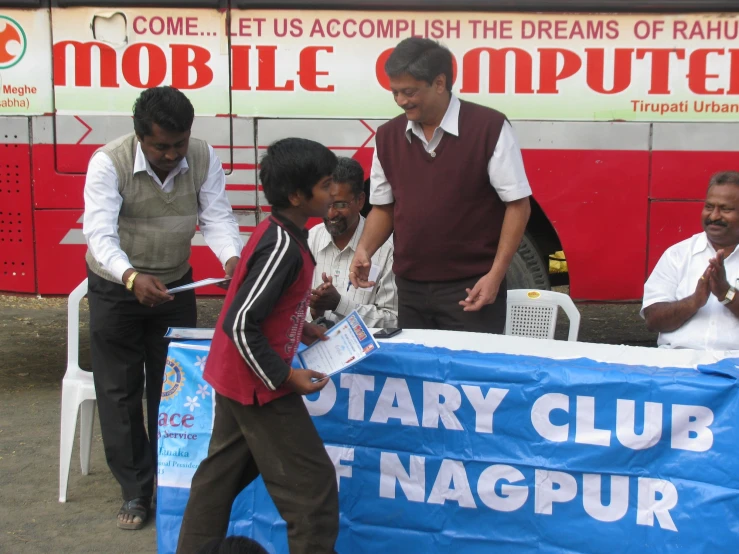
<point>138,507</point>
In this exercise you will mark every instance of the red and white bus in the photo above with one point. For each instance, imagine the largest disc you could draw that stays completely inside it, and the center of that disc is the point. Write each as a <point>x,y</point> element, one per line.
<point>623,110</point>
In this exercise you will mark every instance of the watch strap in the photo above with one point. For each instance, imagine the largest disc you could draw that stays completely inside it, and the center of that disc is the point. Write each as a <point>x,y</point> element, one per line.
<point>729,295</point>
<point>129,281</point>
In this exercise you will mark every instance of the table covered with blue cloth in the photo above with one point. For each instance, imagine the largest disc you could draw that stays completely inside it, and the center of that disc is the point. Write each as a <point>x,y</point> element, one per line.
<point>466,443</point>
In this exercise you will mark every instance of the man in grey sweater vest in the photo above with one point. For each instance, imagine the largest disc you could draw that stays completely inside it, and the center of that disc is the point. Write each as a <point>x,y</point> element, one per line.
<point>145,193</point>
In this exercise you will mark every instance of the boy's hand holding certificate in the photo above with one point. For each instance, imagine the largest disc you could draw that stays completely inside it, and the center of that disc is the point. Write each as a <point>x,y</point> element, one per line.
<point>349,341</point>
<point>305,381</point>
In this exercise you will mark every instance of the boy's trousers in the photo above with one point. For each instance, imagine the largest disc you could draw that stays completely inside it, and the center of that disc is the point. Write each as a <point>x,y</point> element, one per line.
<point>279,441</point>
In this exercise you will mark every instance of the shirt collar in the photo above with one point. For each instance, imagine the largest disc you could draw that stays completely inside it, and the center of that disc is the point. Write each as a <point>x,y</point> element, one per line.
<point>700,244</point>
<point>449,123</point>
<point>140,163</point>
<point>325,239</point>
<point>357,234</point>
<point>301,235</point>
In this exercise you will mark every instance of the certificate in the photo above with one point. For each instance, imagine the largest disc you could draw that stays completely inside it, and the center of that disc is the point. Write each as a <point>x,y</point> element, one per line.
<point>198,284</point>
<point>349,341</point>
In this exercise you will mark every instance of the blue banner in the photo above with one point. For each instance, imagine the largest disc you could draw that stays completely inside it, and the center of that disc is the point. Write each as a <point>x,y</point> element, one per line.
<point>440,451</point>
<point>185,414</point>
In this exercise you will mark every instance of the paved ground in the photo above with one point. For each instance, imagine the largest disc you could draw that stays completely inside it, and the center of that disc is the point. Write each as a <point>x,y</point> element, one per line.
<point>32,364</point>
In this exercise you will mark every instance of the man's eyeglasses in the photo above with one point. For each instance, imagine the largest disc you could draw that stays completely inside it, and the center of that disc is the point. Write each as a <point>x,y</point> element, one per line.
<point>340,205</point>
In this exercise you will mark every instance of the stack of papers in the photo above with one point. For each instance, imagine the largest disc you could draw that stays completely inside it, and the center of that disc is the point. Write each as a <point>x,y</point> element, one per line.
<point>189,333</point>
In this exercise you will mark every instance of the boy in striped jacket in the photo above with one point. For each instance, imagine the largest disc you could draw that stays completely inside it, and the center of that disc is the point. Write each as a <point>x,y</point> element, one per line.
<point>261,423</point>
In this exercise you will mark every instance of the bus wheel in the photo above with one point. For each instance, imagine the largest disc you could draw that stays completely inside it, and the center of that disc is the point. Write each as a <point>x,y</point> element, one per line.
<point>528,269</point>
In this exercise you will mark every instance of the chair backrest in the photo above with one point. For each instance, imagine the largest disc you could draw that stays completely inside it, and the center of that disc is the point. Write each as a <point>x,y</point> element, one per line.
<point>533,313</point>
<point>73,327</point>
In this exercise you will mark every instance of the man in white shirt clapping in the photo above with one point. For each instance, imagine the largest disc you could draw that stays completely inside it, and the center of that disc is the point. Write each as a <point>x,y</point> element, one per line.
<point>689,297</point>
<point>333,245</point>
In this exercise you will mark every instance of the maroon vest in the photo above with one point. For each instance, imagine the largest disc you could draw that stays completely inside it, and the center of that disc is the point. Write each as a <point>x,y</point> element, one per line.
<point>226,370</point>
<point>447,215</point>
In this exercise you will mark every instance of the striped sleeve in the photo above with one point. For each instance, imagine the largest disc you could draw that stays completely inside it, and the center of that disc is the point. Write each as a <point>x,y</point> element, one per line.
<point>272,269</point>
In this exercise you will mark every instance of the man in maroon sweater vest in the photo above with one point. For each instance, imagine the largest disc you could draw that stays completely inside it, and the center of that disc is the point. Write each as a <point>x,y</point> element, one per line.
<point>447,177</point>
<point>261,425</point>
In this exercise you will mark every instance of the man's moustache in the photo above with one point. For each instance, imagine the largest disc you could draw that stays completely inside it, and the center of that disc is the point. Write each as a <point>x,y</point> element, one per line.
<point>719,223</point>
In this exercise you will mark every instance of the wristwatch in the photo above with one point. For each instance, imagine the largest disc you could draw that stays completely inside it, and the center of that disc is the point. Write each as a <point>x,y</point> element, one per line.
<point>129,281</point>
<point>729,295</point>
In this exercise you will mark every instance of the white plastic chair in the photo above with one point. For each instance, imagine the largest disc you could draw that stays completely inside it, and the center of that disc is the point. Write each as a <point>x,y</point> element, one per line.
<point>533,313</point>
<point>78,395</point>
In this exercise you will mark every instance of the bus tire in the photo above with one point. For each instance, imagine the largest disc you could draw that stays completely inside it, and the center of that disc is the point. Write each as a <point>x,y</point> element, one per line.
<point>528,269</point>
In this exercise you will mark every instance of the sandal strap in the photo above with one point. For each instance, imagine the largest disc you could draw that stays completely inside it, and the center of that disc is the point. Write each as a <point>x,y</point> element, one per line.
<point>136,507</point>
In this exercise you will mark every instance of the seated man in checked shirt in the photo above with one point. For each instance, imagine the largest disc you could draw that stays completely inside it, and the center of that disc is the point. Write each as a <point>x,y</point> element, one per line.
<point>333,245</point>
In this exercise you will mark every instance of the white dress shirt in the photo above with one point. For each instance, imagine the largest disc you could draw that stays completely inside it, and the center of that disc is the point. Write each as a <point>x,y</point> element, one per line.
<point>379,306</point>
<point>103,204</point>
<point>675,277</point>
<point>505,168</point>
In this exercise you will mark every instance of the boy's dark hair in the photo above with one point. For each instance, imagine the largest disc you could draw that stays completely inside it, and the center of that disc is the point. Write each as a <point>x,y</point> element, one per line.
<point>165,106</point>
<point>421,58</point>
<point>294,165</point>
<point>233,545</point>
<point>348,171</point>
<point>724,178</point>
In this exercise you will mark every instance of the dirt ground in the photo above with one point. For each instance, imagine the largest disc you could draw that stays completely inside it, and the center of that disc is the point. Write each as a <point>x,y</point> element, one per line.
<point>33,342</point>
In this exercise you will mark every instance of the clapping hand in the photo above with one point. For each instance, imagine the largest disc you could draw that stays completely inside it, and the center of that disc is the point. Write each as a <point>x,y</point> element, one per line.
<point>325,296</point>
